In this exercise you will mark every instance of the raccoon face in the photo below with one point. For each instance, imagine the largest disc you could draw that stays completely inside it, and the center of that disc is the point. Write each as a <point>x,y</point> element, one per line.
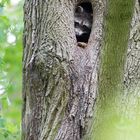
<point>82,23</point>
<point>82,27</point>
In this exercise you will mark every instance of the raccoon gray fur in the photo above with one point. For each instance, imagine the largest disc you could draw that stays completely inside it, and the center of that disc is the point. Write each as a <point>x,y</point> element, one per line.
<point>82,23</point>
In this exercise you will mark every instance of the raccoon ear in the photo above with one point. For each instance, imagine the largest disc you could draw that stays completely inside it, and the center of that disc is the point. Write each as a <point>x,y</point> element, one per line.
<point>79,9</point>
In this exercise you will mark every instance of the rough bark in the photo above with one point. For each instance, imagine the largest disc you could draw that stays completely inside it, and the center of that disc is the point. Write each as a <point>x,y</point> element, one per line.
<point>59,78</point>
<point>130,99</point>
<point>132,69</point>
<point>118,106</point>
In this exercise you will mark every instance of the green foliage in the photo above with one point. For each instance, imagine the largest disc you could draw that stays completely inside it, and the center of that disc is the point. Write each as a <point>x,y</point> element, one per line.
<point>11,26</point>
<point>9,130</point>
<point>3,2</point>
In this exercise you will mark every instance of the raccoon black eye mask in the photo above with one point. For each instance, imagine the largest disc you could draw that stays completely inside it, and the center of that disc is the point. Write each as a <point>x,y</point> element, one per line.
<point>83,24</point>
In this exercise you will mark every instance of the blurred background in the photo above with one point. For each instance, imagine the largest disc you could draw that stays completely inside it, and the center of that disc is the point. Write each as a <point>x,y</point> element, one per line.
<point>11,28</point>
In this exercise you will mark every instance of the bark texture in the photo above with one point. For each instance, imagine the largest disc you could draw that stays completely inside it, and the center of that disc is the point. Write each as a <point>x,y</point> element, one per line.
<point>115,108</point>
<point>59,78</point>
<point>132,68</point>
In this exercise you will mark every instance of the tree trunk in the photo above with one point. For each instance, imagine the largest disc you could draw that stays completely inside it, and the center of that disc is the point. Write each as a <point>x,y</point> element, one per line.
<point>116,114</point>
<point>60,79</point>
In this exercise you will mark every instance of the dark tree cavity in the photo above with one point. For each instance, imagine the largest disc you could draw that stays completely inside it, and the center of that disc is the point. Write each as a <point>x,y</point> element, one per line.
<point>83,21</point>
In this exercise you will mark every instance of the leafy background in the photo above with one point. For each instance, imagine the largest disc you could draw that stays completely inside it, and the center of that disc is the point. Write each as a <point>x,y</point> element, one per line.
<point>11,26</point>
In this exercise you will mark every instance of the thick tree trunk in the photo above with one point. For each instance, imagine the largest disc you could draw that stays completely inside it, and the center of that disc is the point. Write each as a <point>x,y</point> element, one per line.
<point>60,79</point>
<point>117,109</point>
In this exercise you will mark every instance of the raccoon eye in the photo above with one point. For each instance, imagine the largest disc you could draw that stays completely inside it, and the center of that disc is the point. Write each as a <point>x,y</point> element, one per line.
<point>76,24</point>
<point>85,27</point>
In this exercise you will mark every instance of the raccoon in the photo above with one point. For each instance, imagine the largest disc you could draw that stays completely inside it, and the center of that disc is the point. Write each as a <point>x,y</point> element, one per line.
<point>83,24</point>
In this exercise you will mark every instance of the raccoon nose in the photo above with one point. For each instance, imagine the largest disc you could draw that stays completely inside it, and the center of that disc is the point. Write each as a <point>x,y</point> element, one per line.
<point>78,32</point>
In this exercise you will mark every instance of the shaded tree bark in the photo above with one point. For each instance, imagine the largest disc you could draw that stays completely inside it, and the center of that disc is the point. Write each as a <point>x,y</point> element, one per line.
<point>117,108</point>
<point>60,79</point>
<point>57,74</point>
